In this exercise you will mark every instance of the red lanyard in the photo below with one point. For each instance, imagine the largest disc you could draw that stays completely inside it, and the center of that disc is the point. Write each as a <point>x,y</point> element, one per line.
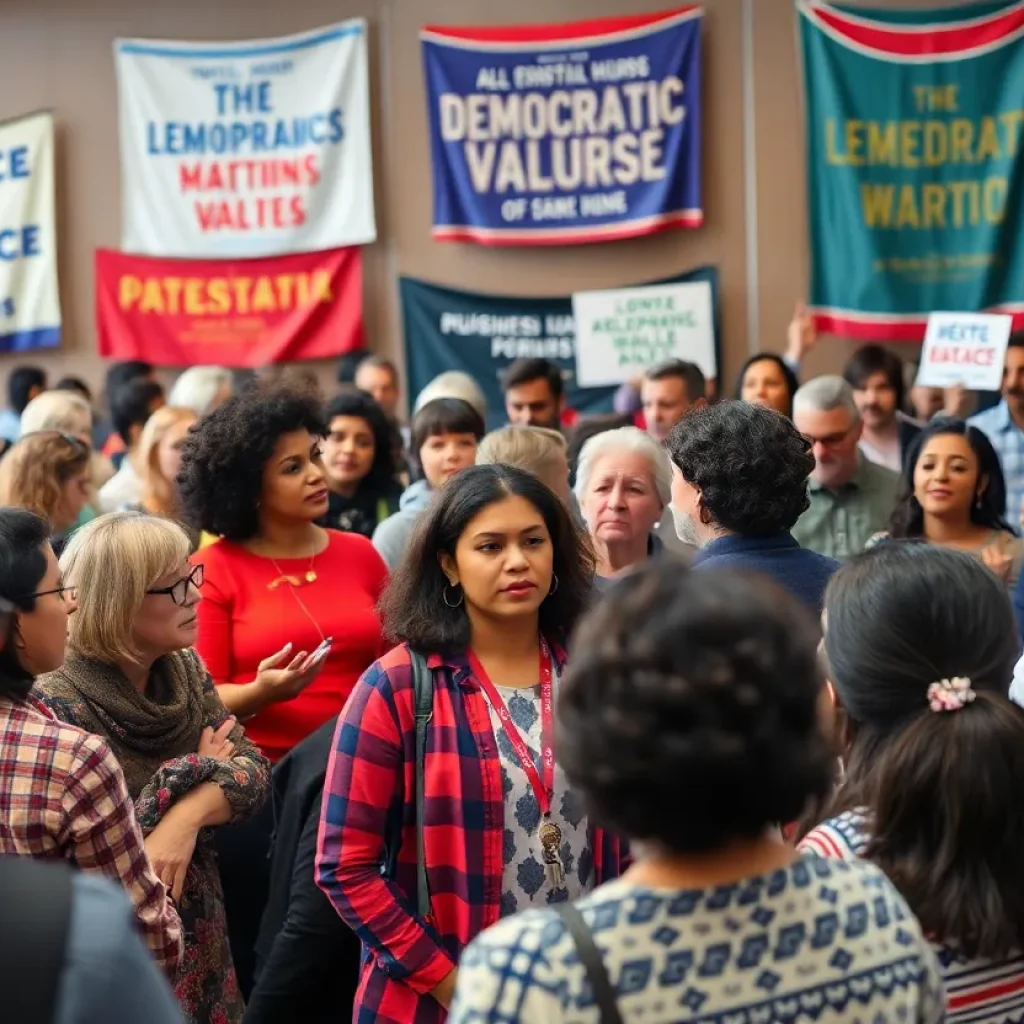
<point>544,789</point>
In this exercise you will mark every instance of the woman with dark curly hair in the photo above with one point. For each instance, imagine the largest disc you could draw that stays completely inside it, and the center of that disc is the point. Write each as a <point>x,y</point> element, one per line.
<point>278,586</point>
<point>359,463</point>
<point>953,493</point>
<point>739,484</point>
<point>920,646</point>
<point>688,720</point>
<point>495,579</point>
<point>288,620</point>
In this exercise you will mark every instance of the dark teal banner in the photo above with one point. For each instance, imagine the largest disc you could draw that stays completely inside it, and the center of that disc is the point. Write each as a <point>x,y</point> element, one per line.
<point>915,122</point>
<point>482,335</point>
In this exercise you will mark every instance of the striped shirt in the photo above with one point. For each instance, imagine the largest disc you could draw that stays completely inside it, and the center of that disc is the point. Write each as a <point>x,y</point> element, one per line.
<point>977,991</point>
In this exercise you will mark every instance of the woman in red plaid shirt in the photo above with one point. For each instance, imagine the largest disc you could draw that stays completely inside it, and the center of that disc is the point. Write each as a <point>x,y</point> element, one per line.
<point>494,580</point>
<point>63,795</point>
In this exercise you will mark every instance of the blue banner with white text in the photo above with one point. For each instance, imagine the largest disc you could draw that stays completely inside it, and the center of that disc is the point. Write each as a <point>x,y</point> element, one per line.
<point>565,134</point>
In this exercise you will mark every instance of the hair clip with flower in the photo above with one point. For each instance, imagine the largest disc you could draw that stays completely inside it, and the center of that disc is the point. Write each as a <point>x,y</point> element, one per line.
<point>950,694</point>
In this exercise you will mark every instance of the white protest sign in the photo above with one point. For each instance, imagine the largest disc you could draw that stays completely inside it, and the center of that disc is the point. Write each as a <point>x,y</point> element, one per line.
<point>29,301</point>
<point>964,348</point>
<point>622,332</point>
<point>246,149</point>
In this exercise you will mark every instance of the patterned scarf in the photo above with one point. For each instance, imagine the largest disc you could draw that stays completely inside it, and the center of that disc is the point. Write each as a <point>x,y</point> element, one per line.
<point>143,729</point>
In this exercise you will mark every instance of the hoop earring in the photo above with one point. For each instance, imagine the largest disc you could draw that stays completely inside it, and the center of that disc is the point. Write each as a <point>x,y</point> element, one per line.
<point>444,597</point>
<point>554,585</point>
<point>977,503</point>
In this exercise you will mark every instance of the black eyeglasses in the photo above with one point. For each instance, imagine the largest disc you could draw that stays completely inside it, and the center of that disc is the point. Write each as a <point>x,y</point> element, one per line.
<point>179,590</point>
<point>66,593</point>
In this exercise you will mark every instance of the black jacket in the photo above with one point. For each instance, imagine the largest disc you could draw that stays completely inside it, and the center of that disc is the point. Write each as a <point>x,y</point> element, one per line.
<point>307,958</point>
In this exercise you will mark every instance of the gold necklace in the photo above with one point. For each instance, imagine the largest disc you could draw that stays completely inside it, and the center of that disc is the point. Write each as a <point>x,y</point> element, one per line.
<point>295,582</point>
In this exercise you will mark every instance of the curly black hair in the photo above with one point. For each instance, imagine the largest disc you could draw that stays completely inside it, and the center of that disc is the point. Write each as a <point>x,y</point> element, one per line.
<point>223,456</point>
<point>413,608</point>
<point>688,714</point>
<point>750,464</point>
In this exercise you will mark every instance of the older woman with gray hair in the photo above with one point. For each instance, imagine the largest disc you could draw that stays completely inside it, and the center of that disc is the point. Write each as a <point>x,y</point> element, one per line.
<point>623,486</point>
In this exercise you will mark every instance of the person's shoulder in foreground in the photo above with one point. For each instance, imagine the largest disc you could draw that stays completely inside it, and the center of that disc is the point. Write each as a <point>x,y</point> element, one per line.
<point>109,977</point>
<point>804,573</point>
<point>837,935</point>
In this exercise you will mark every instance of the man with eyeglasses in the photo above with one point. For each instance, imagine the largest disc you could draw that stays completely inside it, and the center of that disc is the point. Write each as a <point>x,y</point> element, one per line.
<point>851,498</point>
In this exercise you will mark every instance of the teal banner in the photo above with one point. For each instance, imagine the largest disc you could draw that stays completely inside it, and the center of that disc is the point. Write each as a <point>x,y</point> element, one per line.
<point>915,122</point>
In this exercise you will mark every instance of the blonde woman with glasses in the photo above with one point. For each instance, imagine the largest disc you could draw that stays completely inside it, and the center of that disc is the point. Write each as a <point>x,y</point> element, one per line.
<point>132,677</point>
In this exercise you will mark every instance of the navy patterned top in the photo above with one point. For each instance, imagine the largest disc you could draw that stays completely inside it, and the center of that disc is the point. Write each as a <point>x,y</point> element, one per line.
<point>819,942</point>
<point>524,882</point>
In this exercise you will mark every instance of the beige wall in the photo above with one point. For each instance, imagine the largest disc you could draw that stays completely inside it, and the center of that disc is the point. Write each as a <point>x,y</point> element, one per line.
<point>57,54</point>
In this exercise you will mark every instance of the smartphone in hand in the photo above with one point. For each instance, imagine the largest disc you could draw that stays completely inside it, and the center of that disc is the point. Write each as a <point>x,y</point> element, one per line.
<point>319,654</point>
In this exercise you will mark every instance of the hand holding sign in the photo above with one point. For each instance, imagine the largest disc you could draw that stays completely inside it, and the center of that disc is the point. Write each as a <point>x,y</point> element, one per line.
<point>966,349</point>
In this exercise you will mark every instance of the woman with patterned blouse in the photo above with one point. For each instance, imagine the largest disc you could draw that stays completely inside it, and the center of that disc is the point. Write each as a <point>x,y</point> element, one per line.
<point>132,677</point>
<point>493,583</point>
<point>688,720</point>
<point>920,643</point>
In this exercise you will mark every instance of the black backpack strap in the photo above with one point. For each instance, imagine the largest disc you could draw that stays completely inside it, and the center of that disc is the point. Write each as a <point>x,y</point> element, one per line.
<point>423,685</point>
<point>35,915</point>
<point>593,964</point>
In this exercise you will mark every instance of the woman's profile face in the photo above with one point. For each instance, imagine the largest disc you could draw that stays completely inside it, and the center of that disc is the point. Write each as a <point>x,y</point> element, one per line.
<point>75,495</point>
<point>166,622</point>
<point>294,484</point>
<point>621,502</point>
<point>503,560</point>
<point>946,476</point>
<point>168,449</point>
<point>764,384</point>
<point>41,635</point>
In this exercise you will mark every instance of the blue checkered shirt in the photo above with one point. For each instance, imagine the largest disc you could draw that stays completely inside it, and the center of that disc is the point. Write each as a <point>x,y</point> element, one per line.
<point>1008,440</point>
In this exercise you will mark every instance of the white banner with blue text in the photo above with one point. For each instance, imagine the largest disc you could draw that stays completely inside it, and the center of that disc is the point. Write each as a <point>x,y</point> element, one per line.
<point>29,297</point>
<point>246,149</point>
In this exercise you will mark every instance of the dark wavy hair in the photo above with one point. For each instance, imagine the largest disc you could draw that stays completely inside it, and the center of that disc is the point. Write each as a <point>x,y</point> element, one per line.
<point>908,516</point>
<point>688,713</point>
<point>750,464</point>
<point>941,789</point>
<point>792,384</point>
<point>871,359</point>
<point>22,568</point>
<point>223,456</point>
<point>413,607</point>
<point>352,402</point>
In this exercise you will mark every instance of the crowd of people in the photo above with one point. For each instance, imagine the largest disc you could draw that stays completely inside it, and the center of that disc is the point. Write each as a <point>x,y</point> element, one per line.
<point>696,710</point>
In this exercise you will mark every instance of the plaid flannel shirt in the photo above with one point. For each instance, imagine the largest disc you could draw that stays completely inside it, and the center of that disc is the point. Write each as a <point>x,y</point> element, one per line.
<point>63,795</point>
<point>369,794</point>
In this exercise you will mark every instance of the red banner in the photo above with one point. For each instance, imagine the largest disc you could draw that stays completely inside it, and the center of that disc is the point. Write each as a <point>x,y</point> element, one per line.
<point>235,313</point>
